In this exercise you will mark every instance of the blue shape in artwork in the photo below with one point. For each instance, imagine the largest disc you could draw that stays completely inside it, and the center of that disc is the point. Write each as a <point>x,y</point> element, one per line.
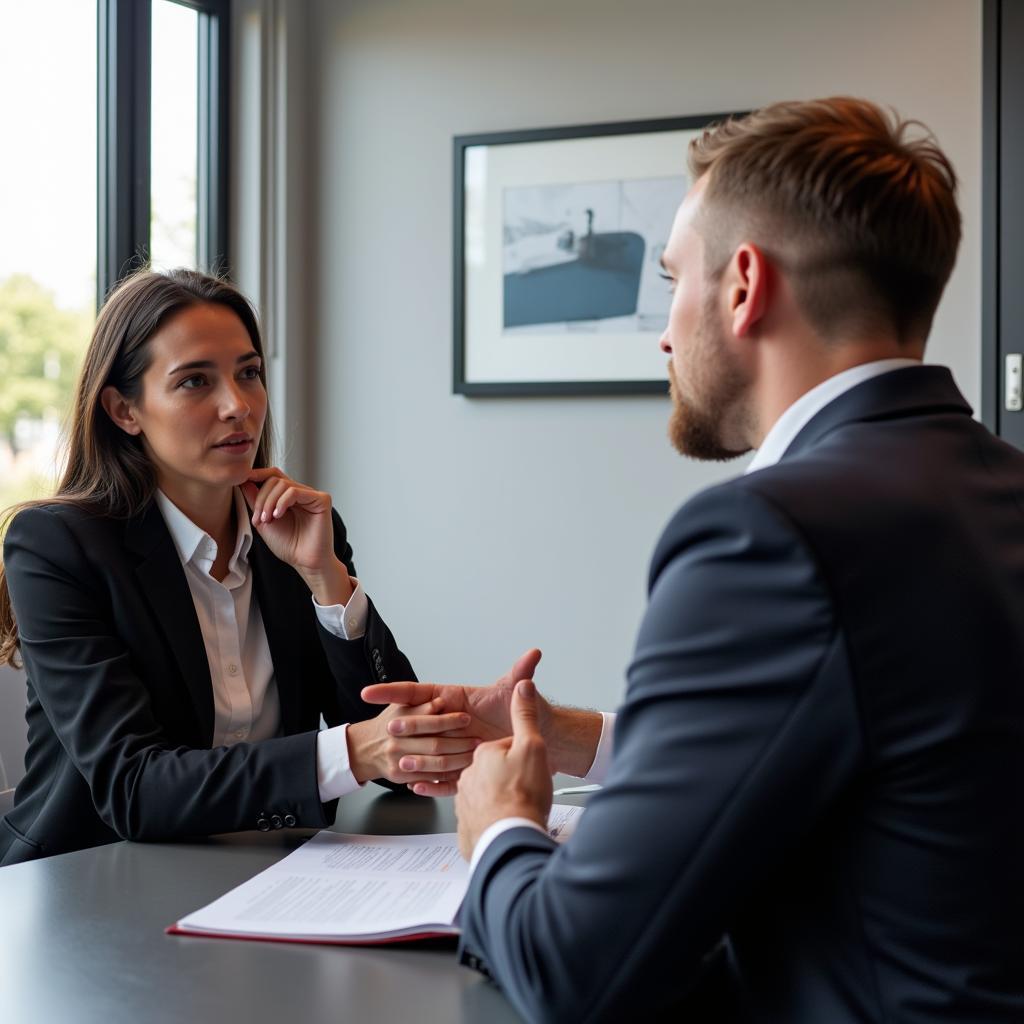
<point>603,282</point>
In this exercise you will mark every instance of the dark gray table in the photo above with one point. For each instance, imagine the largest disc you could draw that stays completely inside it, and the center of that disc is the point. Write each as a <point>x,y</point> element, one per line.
<point>82,939</point>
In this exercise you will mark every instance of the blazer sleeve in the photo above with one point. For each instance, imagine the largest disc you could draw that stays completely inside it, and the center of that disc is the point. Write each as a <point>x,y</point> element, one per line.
<point>375,657</point>
<point>143,786</point>
<point>739,728</point>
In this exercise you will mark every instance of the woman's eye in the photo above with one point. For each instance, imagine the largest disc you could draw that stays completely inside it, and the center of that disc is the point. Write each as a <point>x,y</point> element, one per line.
<point>191,383</point>
<point>250,373</point>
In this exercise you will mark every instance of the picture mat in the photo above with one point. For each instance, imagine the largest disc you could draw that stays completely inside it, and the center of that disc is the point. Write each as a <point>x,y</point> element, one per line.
<point>491,356</point>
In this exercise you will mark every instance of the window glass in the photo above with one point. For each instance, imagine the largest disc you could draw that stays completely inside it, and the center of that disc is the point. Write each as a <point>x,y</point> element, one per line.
<point>48,62</point>
<point>175,133</point>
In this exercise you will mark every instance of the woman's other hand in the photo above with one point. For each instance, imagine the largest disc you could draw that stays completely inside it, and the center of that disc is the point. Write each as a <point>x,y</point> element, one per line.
<point>420,754</point>
<point>295,523</point>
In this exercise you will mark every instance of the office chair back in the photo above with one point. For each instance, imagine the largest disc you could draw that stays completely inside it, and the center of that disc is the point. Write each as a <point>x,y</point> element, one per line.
<point>13,728</point>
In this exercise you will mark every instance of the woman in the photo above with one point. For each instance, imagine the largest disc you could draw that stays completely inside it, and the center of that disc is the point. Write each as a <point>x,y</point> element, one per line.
<point>184,611</point>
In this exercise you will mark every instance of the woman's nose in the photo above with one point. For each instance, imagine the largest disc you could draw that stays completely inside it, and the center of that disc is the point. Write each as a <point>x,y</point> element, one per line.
<point>234,405</point>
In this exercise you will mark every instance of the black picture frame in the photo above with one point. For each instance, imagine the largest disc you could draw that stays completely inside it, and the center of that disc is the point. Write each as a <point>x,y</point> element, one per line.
<point>488,289</point>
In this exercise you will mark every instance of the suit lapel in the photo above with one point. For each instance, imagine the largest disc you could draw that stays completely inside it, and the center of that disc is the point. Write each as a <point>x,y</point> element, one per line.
<point>163,582</point>
<point>280,593</point>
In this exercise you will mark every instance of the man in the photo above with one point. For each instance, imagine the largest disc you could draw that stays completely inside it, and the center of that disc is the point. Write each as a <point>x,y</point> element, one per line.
<point>817,772</point>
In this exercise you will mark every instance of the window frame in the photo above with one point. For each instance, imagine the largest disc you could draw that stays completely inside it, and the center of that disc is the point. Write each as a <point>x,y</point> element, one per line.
<point>124,97</point>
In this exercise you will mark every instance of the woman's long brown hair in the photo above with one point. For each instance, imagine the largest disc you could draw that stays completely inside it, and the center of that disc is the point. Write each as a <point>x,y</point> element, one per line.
<point>106,470</point>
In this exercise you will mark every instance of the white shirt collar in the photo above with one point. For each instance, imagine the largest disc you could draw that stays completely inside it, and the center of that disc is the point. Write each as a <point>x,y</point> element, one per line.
<point>195,545</point>
<point>808,405</point>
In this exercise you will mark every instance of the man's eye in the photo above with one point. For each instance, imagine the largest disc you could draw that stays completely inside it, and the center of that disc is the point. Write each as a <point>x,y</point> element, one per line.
<point>671,280</point>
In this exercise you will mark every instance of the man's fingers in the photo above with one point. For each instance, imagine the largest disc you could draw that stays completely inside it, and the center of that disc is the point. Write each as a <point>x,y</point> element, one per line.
<point>526,665</point>
<point>525,724</point>
<point>399,693</point>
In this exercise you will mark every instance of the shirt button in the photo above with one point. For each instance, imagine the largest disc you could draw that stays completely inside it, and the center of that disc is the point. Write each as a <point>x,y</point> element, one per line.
<point>351,623</point>
<point>232,669</point>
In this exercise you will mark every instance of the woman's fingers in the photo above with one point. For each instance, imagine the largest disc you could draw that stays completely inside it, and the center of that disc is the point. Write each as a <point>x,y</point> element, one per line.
<point>428,724</point>
<point>434,788</point>
<point>448,781</point>
<point>437,745</point>
<point>435,766</point>
<point>259,475</point>
<point>267,497</point>
<point>304,497</point>
<point>280,494</point>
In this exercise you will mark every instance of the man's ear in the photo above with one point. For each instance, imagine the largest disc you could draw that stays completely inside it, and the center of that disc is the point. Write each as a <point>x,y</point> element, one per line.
<point>748,288</point>
<point>120,410</point>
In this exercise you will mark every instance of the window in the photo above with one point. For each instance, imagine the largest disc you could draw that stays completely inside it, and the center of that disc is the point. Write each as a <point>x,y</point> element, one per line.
<point>162,135</point>
<point>174,136</point>
<point>48,241</point>
<point>115,136</point>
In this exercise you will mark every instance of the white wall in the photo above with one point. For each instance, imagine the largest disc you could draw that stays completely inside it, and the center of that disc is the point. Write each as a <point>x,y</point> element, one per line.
<point>480,526</point>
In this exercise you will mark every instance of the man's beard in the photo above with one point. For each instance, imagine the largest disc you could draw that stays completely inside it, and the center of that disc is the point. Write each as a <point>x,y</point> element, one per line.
<point>697,424</point>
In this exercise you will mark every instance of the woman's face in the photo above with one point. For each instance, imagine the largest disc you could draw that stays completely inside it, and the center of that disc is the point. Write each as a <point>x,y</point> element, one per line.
<point>202,406</point>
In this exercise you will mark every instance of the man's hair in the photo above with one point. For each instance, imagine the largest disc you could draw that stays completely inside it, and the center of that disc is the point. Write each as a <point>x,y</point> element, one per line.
<point>856,206</point>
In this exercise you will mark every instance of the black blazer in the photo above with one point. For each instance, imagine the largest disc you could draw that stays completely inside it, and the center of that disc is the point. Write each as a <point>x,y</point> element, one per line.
<point>821,752</point>
<point>120,703</point>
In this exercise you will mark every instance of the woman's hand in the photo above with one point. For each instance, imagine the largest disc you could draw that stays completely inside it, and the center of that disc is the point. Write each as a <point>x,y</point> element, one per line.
<point>421,754</point>
<point>295,523</point>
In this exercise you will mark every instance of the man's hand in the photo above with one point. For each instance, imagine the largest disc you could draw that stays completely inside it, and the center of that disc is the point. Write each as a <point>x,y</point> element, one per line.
<point>509,778</point>
<point>489,708</point>
<point>488,705</point>
<point>571,735</point>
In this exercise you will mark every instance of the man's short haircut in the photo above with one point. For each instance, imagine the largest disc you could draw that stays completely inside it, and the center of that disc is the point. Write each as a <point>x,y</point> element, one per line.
<point>856,206</point>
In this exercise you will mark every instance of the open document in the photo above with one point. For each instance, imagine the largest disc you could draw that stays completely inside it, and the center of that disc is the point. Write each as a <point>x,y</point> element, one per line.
<point>353,889</point>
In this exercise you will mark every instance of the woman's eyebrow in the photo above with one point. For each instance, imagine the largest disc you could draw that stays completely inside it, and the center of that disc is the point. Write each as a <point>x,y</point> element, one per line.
<point>209,364</point>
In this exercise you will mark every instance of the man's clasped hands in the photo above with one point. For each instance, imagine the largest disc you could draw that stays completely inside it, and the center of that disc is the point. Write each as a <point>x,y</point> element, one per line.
<point>494,747</point>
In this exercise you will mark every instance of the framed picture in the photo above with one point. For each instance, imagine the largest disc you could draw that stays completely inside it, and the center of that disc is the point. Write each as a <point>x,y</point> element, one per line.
<point>558,235</point>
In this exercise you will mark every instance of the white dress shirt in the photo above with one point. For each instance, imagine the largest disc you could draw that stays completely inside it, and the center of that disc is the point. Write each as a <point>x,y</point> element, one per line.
<point>808,405</point>
<point>781,435</point>
<point>246,708</point>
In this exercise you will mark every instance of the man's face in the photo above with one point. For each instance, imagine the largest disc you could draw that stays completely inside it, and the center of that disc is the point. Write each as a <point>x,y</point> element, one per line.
<point>708,383</point>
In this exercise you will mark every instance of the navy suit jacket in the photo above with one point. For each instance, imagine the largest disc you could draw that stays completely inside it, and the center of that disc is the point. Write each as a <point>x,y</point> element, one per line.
<point>120,703</point>
<point>819,766</point>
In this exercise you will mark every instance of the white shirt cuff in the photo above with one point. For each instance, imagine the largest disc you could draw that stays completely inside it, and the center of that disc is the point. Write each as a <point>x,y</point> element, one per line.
<point>333,768</point>
<point>345,620</point>
<point>493,831</point>
<point>603,755</point>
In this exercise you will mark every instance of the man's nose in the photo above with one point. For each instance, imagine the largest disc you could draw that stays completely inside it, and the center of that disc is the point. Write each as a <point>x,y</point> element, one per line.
<point>664,345</point>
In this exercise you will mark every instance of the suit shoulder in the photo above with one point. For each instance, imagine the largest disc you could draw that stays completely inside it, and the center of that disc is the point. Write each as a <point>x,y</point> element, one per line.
<point>55,523</point>
<point>732,509</point>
